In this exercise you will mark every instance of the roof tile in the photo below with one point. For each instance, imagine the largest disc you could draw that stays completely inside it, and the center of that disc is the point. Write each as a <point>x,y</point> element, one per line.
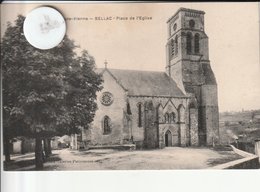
<point>146,83</point>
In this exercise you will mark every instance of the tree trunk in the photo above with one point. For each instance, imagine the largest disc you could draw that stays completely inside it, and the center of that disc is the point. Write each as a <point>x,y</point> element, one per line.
<point>49,146</point>
<point>38,154</point>
<point>46,148</point>
<point>7,149</point>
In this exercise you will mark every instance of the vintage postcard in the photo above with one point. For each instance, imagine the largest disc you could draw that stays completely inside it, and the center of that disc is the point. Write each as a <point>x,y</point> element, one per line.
<point>130,86</point>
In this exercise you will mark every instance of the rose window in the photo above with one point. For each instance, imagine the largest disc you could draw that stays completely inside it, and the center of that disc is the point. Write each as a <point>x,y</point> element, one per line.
<point>106,98</point>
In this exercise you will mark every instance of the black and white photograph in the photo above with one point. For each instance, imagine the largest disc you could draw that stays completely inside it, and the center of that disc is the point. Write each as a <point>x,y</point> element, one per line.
<point>130,86</point>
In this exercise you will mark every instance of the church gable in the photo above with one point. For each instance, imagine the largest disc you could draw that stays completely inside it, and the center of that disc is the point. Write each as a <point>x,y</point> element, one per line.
<point>107,124</point>
<point>172,111</point>
<point>110,79</point>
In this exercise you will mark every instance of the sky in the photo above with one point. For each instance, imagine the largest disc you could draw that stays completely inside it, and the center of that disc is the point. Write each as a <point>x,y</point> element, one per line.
<point>232,28</point>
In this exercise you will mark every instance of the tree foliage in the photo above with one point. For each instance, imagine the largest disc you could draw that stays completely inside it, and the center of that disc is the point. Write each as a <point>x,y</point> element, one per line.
<point>45,91</point>
<point>82,83</point>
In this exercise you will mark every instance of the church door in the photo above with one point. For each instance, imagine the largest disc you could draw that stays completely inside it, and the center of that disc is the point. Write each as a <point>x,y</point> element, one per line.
<point>168,139</point>
<point>151,129</point>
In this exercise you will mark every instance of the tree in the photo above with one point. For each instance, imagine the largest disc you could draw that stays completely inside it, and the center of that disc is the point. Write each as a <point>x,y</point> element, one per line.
<point>82,85</point>
<point>39,88</point>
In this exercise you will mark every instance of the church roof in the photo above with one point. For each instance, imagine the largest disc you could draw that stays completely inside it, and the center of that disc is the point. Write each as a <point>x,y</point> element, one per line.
<point>145,83</point>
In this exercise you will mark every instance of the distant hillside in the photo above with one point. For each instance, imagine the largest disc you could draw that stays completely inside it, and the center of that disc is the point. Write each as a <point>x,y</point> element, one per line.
<point>244,126</point>
<point>244,116</point>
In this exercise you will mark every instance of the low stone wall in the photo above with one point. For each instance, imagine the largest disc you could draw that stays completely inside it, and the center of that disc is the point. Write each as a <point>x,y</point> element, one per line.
<point>117,147</point>
<point>250,161</point>
<point>257,148</point>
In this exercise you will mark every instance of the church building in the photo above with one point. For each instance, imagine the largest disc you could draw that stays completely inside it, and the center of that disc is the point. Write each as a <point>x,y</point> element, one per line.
<point>178,107</point>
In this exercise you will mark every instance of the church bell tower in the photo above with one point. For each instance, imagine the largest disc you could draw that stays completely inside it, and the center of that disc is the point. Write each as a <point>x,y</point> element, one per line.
<point>188,64</point>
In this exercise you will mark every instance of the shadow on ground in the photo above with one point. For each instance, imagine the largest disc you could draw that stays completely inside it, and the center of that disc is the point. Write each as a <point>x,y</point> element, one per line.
<point>92,153</point>
<point>29,164</point>
<point>228,158</point>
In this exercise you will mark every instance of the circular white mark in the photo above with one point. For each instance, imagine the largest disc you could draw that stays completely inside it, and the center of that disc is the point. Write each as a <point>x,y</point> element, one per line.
<point>44,27</point>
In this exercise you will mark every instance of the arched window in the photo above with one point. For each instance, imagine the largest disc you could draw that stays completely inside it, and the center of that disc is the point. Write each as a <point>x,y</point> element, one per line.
<point>172,47</point>
<point>197,43</point>
<point>172,117</point>
<point>191,23</point>
<point>166,116</point>
<point>188,43</point>
<point>139,114</point>
<point>106,125</point>
<point>128,109</point>
<point>160,113</point>
<point>176,45</point>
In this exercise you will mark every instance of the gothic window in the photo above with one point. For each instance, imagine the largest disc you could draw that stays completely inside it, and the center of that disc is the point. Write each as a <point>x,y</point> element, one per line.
<point>139,114</point>
<point>172,47</point>
<point>160,114</point>
<point>176,45</point>
<point>197,43</point>
<point>188,43</point>
<point>128,109</point>
<point>172,117</point>
<point>106,125</point>
<point>166,116</point>
<point>175,27</point>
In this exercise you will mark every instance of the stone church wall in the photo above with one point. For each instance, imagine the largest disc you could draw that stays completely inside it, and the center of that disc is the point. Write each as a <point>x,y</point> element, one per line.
<point>202,84</point>
<point>209,103</point>
<point>170,106</point>
<point>194,140</point>
<point>182,132</point>
<point>113,111</point>
<point>176,74</point>
<point>190,68</point>
<point>122,128</point>
<point>192,72</point>
<point>137,132</point>
<point>175,132</point>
